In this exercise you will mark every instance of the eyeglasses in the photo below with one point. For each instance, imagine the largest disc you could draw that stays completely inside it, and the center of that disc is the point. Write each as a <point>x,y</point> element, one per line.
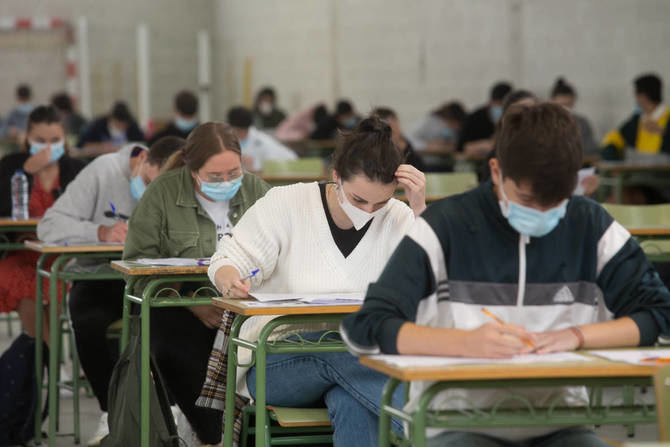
<point>218,178</point>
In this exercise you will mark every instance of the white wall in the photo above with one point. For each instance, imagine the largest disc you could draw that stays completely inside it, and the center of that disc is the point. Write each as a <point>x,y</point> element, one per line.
<point>413,55</point>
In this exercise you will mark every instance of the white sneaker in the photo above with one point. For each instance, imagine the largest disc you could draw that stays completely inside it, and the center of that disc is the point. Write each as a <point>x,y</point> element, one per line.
<point>184,429</point>
<point>101,432</point>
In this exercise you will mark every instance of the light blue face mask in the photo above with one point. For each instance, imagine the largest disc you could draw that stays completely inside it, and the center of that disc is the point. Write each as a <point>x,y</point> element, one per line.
<point>57,149</point>
<point>221,191</point>
<point>496,113</point>
<point>185,125</point>
<point>350,122</point>
<point>529,221</point>
<point>25,108</point>
<point>244,143</point>
<point>637,110</point>
<point>447,133</point>
<point>137,187</point>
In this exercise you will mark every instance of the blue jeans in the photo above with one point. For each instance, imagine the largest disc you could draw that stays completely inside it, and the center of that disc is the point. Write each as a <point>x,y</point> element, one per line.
<point>573,436</point>
<point>351,392</point>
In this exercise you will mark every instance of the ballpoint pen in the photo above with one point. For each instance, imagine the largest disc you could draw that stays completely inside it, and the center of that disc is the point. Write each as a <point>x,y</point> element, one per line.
<point>499,320</point>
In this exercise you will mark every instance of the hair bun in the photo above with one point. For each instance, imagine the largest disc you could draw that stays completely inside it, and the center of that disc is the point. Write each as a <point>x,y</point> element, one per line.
<point>375,125</point>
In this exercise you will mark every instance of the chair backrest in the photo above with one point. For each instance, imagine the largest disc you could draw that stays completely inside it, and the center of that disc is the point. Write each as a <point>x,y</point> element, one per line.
<point>302,167</point>
<point>640,216</point>
<point>447,184</point>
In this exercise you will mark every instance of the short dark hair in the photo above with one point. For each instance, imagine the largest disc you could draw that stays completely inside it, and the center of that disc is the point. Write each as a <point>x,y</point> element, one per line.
<point>44,115</point>
<point>451,111</point>
<point>516,96</point>
<point>541,145</point>
<point>651,86</point>
<point>240,117</point>
<point>384,113</point>
<point>367,150</point>
<point>266,91</point>
<point>62,101</point>
<point>24,92</point>
<point>500,90</point>
<point>186,103</point>
<point>320,113</point>
<point>561,87</point>
<point>160,151</point>
<point>343,107</point>
<point>120,112</point>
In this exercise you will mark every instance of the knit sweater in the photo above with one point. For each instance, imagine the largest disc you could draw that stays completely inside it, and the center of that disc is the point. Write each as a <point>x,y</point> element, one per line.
<point>286,236</point>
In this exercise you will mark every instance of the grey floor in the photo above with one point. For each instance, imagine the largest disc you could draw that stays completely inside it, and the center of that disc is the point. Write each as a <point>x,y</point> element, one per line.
<point>90,412</point>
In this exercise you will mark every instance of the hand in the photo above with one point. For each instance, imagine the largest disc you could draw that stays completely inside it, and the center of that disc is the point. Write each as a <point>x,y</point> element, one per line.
<point>209,315</point>
<point>114,233</point>
<point>414,182</point>
<point>228,282</point>
<point>590,184</point>
<point>555,341</point>
<point>496,340</point>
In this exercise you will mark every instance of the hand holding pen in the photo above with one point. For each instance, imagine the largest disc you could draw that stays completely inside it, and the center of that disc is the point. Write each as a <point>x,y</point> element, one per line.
<point>113,233</point>
<point>230,284</point>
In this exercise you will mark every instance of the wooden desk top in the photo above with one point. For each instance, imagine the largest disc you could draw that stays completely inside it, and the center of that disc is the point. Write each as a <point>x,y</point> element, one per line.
<point>650,231</point>
<point>242,307</point>
<point>134,269</point>
<point>598,367</point>
<point>9,222</point>
<point>44,247</point>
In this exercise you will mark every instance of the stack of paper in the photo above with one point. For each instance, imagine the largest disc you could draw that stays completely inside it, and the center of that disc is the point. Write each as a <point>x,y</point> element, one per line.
<point>173,262</point>
<point>430,361</point>
<point>313,298</point>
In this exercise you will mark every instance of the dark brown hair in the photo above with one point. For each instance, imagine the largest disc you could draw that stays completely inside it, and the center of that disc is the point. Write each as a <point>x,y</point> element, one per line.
<point>203,142</point>
<point>561,87</point>
<point>541,145</point>
<point>163,148</point>
<point>367,150</point>
<point>45,115</point>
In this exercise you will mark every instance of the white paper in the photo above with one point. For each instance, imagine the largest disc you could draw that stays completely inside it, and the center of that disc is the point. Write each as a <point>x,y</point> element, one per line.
<point>313,298</point>
<point>173,262</point>
<point>632,356</point>
<point>431,361</point>
<point>581,175</point>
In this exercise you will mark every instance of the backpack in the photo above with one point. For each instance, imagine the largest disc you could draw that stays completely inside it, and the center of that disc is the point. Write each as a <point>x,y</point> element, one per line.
<point>124,401</point>
<point>18,391</point>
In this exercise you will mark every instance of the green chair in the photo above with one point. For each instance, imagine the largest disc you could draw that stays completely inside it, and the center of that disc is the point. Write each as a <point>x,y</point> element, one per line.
<point>440,185</point>
<point>302,167</point>
<point>640,216</point>
<point>290,426</point>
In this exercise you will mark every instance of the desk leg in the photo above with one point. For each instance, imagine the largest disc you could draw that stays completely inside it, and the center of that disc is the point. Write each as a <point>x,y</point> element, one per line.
<point>261,413</point>
<point>618,188</point>
<point>662,388</point>
<point>146,371</point>
<point>384,417</point>
<point>231,382</point>
<point>54,349</point>
<point>39,366</point>
<point>125,330</point>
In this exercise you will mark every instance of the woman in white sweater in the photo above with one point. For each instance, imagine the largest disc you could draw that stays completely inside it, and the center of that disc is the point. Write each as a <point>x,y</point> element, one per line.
<point>323,238</point>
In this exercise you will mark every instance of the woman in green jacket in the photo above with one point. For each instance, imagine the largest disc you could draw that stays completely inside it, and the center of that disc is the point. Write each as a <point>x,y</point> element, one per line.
<point>184,213</point>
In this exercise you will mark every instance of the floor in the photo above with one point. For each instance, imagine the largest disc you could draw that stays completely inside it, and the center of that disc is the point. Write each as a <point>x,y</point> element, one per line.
<point>90,412</point>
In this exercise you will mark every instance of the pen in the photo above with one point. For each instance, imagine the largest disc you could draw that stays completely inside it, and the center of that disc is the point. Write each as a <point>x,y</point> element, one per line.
<point>663,360</point>
<point>489,314</point>
<point>203,261</point>
<point>253,273</point>
<point>116,215</point>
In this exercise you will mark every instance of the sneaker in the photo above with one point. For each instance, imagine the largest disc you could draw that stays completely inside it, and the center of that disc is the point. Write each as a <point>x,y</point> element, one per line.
<point>101,432</point>
<point>184,429</point>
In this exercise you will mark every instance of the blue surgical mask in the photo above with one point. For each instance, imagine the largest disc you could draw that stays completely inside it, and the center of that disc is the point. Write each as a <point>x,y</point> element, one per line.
<point>221,191</point>
<point>57,149</point>
<point>350,122</point>
<point>137,187</point>
<point>529,221</point>
<point>496,113</point>
<point>447,133</point>
<point>244,143</point>
<point>185,125</point>
<point>637,110</point>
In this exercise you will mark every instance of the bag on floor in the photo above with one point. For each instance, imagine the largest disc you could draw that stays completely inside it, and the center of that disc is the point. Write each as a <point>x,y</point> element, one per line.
<point>18,391</point>
<point>124,401</point>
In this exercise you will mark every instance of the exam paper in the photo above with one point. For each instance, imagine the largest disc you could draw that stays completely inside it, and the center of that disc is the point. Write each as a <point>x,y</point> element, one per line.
<point>434,361</point>
<point>581,175</point>
<point>632,356</point>
<point>173,262</point>
<point>313,298</point>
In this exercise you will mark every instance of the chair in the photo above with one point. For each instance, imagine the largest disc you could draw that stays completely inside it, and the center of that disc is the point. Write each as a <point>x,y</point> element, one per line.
<point>640,216</point>
<point>440,185</point>
<point>662,388</point>
<point>290,426</point>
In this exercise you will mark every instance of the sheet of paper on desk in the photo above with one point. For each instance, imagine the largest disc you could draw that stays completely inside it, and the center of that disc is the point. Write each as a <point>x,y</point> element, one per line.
<point>430,361</point>
<point>581,175</point>
<point>82,244</point>
<point>173,262</point>
<point>313,298</point>
<point>633,356</point>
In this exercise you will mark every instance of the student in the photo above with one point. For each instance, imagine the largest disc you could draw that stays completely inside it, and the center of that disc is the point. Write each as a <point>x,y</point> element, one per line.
<point>266,114</point>
<point>14,126</point>
<point>74,121</point>
<point>476,139</point>
<point>109,132</point>
<point>556,265</point>
<point>646,131</point>
<point>439,130</point>
<point>300,125</point>
<point>256,146</point>
<point>45,148</point>
<point>84,214</point>
<point>185,117</point>
<point>184,213</point>
<point>404,146</point>
<point>320,238</point>
<point>564,94</point>
<point>344,118</point>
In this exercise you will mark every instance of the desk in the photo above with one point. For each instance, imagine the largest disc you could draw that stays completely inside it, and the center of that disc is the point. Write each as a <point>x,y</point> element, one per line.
<point>298,314</point>
<point>62,254</point>
<point>281,180</point>
<point>161,279</point>
<point>9,225</point>
<point>596,373</point>
<point>614,173</point>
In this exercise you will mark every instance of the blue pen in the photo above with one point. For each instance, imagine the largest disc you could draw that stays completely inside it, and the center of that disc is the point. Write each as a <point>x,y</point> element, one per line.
<point>203,261</point>
<point>113,209</point>
<point>253,273</point>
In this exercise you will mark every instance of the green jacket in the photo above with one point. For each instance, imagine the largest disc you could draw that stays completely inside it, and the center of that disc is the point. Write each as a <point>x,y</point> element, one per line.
<point>170,222</point>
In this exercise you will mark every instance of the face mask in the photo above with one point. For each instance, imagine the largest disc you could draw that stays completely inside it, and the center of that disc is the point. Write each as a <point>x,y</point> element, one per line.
<point>265,107</point>
<point>221,191</point>
<point>25,108</point>
<point>637,110</point>
<point>350,123</point>
<point>529,221</point>
<point>185,125</point>
<point>137,187</point>
<point>118,136</point>
<point>57,149</point>
<point>496,113</point>
<point>244,143</point>
<point>447,133</point>
<point>357,216</point>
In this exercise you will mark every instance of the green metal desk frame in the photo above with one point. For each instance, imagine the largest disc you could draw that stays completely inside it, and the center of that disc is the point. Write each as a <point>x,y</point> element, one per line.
<point>5,244</point>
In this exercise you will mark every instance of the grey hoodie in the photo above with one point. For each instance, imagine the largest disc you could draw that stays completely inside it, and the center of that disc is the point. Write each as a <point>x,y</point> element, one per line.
<point>77,214</point>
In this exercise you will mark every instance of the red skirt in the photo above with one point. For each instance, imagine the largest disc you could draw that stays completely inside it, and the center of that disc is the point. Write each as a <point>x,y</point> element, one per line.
<point>17,279</point>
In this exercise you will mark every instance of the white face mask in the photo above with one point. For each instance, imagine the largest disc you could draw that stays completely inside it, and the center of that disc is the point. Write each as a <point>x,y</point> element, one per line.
<point>357,216</point>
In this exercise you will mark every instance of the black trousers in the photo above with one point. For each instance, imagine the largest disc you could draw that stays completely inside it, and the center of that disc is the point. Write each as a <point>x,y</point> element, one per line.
<point>94,305</point>
<point>181,345</point>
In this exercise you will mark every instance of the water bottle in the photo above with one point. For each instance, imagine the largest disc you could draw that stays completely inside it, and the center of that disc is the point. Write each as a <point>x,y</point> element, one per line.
<point>19,196</point>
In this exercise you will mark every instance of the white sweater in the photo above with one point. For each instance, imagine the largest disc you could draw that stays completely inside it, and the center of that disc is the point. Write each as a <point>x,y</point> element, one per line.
<point>286,235</point>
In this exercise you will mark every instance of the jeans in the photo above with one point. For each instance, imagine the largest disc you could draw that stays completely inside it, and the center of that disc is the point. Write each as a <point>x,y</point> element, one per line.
<point>573,436</point>
<point>351,392</point>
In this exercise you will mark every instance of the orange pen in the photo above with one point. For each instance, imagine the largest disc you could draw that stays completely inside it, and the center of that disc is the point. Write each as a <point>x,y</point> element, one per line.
<point>660,360</point>
<point>489,314</point>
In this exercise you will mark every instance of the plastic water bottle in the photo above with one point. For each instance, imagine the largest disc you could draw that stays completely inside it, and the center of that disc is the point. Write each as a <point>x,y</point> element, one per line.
<point>19,196</point>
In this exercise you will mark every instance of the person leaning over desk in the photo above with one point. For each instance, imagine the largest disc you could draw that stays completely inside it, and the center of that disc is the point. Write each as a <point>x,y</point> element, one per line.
<point>556,267</point>
<point>191,206</point>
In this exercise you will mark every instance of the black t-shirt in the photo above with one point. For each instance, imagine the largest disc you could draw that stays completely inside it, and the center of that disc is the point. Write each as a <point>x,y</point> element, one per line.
<point>346,240</point>
<point>98,132</point>
<point>478,126</point>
